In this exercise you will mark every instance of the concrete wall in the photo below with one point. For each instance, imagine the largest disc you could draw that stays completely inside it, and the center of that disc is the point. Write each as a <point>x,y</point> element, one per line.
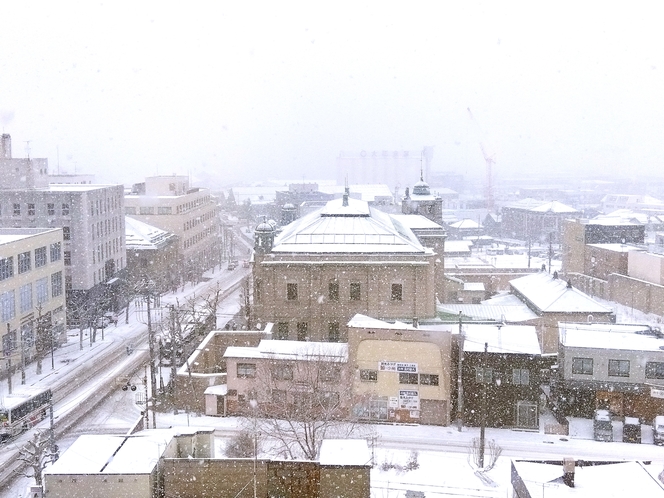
<point>98,486</point>
<point>646,266</point>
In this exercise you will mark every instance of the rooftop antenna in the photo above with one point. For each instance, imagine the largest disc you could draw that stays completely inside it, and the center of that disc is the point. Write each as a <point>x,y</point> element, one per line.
<point>27,148</point>
<point>421,166</point>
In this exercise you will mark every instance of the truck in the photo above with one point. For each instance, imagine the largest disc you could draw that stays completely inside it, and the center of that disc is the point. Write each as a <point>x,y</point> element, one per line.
<point>658,429</point>
<point>602,426</point>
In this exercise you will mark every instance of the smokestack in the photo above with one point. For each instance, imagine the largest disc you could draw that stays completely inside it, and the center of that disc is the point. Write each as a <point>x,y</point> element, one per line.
<point>6,146</point>
<point>568,471</point>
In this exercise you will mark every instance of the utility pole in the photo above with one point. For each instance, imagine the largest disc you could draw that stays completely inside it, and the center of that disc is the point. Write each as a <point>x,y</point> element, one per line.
<point>9,364</point>
<point>22,356</point>
<point>459,377</point>
<point>483,417</point>
<point>174,370</point>
<point>153,378</point>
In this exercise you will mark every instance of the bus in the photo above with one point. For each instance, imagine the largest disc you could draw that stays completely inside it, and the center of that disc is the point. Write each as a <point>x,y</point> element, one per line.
<point>22,410</point>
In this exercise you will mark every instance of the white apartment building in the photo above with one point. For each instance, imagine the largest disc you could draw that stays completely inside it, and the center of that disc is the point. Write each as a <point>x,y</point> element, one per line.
<point>91,218</point>
<point>191,213</point>
<point>31,288</point>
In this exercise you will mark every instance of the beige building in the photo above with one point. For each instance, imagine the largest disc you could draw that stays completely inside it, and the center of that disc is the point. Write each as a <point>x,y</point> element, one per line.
<point>31,287</point>
<point>343,259</point>
<point>191,213</point>
<point>400,373</point>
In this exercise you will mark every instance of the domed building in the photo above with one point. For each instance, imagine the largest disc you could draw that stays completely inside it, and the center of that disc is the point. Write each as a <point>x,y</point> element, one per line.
<point>331,264</point>
<point>422,201</point>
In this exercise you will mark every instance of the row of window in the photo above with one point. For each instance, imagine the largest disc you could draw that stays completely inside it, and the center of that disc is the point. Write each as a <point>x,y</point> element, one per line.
<point>106,250</point>
<point>355,291</point>
<point>198,237</point>
<point>24,260</point>
<point>617,368</point>
<point>101,206</point>
<point>368,375</point>
<point>25,292</point>
<point>198,220</point>
<point>105,227</point>
<point>283,331</point>
<point>282,372</point>
<point>188,206</point>
<point>31,209</point>
<point>488,375</point>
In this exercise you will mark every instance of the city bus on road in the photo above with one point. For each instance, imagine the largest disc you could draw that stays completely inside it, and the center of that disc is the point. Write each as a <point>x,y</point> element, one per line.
<point>22,410</point>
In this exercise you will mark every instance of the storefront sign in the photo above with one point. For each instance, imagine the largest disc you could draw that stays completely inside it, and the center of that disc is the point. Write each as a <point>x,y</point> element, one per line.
<point>394,402</point>
<point>409,399</point>
<point>394,366</point>
<point>656,393</point>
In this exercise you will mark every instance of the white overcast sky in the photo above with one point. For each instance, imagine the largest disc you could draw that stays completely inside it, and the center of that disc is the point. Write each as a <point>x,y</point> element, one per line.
<point>260,90</point>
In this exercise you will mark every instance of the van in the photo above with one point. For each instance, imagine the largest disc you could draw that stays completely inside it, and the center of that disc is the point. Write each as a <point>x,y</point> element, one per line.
<point>602,426</point>
<point>658,429</point>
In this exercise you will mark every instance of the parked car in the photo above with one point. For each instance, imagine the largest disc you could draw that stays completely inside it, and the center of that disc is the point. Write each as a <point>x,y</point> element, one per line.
<point>631,430</point>
<point>232,265</point>
<point>602,426</point>
<point>658,429</point>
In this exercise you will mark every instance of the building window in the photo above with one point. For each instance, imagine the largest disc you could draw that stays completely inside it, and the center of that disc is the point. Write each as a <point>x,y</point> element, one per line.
<point>258,291</point>
<point>130,210</point>
<point>6,267</point>
<point>328,399</point>
<point>25,296</point>
<point>164,210</point>
<point>246,370</point>
<point>56,253</point>
<point>8,305</point>
<point>50,209</point>
<point>24,262</point>
<point>31,209</point>
<point>282,331</point>
<point>330,373</point>
<point>67,258</point>
<point>65,209</point>
<point>397,292</point>
<point>41,289</point>
<point>355,291</point>
<point>302,331</point>
<point>333,332</point>
<point>369,375</point>
<point>429,379</point>
<point>619,368</point>
<point>56,284</point>
<point>282,372</point>
<point>66,233</point>
<point>520,377</point>
<point>146,210</point>
<point>17,209</point>
<point>654,370</point>
<point>291,292</point>
<point>483,375</point>
<point>333,291</point>
<point>582,366</point>
<point>40,257</point>
<point>408,378</point>
<point>278,396</point>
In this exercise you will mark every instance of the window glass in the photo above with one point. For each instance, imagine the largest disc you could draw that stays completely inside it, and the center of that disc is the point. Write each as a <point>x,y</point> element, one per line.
<point>619,368</point>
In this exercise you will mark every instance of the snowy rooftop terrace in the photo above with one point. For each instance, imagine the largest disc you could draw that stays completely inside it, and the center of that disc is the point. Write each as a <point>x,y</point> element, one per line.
<point>291,350</point>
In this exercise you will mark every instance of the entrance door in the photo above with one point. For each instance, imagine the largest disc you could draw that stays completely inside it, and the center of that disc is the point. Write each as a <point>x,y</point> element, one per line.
<point>527,415</point>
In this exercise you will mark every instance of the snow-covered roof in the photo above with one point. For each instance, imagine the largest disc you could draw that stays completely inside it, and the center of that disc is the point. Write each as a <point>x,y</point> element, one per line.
<point>473,286</point>
<point>367,192</point>
<point>554,207</point>
<point>458,246</point>
<point>8,235</point>
<point>416,221</point>
<point>106,454</point>
<point>516,313</point>
<point>219,390</point>
<point>139,235</point>
<point>366,322</point>
<point>355,227</point>
<point>466,223</point>
<point>291,350</point>
<point>608,480</point>
<point>345,452</point>
<point>507,339</point>
<point>551,294</point>
<point>616,247</point>
<point>609,336</point>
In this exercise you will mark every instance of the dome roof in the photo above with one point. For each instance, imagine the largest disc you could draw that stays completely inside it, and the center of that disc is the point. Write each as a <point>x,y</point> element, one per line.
<point>264,227</point>
<point>288,205</point>
<point>421,188</point>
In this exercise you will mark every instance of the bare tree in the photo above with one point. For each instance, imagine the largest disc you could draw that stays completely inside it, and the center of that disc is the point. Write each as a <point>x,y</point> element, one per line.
<point>299,403</point>
<point>36,455</point>
<point>493,451</point>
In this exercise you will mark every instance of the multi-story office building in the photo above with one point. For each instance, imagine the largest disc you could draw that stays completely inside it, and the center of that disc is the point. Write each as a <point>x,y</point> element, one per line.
<point>167,202</point>
<point>91,218</point>
<point>32,298</point>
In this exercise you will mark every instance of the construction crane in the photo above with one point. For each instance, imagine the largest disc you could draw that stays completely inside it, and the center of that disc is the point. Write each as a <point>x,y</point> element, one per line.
<point>490,159</point>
